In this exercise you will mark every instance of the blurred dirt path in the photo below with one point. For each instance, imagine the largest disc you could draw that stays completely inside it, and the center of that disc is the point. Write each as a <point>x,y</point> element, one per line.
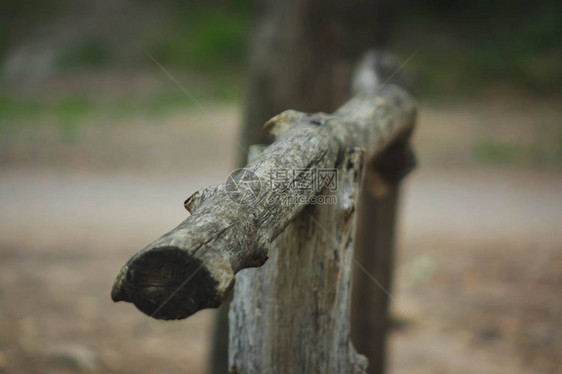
<point>63,237</point>
<point>474,243</point>
<point>480,269</point>
<point>479,265</point>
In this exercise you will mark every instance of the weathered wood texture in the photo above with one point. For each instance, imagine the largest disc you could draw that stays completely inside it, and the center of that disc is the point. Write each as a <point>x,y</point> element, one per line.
<point>192,267</point>
<point>292,314</point>
<point>301,57</point>
<point>376,229</point>
<point>374,250</point>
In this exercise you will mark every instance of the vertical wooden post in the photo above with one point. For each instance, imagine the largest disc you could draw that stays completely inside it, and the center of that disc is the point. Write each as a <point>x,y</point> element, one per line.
<point>374,250</point>
<point>292,314</point>
<point>319,41</point>
<point>376,227</point>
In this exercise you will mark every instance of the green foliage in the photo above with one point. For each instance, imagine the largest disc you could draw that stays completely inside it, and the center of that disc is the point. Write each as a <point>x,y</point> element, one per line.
<point>205,39</point>
<point>87,53</point>
<point>165,102</point>
<point>3,37</point>
<point>527,53</point>
<point>71,109</point>
<point>494,151</point>
<point>23,12</point>
<point>502,152</point>
<point>12,108</point>
<point>28,8</point>
<point>69,112</point>
<point>466,46</point>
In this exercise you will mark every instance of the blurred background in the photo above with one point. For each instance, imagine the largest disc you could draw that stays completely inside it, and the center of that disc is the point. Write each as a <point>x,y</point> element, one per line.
<point>99,149</point>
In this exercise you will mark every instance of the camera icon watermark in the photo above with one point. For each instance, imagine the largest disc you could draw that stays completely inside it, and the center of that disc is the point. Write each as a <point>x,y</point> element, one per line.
<point>243,186</point>
<point>283,186</point>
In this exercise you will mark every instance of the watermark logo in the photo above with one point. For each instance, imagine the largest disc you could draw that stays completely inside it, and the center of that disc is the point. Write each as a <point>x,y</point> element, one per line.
<point>243,186</point>
<point>304,179</point>
<point>284,186</point>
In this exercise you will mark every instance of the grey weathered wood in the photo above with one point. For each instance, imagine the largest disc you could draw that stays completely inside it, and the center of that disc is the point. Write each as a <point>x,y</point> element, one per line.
<point>377,216</point>
<point>374,250</point>
<point>301,56</point>
<point>292,314</point>
<point>192,267</point>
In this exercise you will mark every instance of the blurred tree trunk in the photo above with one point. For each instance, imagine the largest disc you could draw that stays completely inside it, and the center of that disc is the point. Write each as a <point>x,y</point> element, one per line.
<point>301,58</point>
<point>302,54</point>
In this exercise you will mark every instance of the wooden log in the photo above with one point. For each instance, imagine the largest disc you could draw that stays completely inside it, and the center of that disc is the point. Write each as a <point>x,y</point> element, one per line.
<point>192,267</point>
<point>292,314</point>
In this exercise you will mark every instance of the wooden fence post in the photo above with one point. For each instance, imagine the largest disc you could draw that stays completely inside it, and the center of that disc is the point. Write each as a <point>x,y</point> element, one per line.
<point>293,312</point>
<point>376,226</point>
<point>193,266</point>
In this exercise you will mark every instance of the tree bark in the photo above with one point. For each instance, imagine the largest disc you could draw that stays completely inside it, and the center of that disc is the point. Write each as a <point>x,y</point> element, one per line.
<point>292,314</point>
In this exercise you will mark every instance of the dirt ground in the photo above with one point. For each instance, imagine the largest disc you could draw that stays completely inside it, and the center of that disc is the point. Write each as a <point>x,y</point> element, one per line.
<point>479,263</point>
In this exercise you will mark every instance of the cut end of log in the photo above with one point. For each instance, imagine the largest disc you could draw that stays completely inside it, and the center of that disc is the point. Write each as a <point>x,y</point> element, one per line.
<point>167,283</point>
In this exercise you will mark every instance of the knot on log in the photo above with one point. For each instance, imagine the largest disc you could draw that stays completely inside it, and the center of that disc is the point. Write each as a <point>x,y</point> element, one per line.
<point>283,121</point>
<point>195,200</point>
